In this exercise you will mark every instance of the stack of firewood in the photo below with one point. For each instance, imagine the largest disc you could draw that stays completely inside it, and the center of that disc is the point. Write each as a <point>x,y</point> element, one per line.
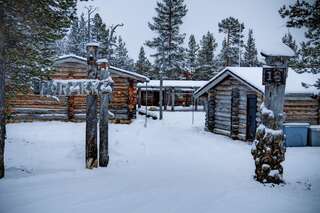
<point>268,149</point>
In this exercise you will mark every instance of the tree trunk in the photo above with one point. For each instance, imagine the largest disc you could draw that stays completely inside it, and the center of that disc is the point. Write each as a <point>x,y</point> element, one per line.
<point>161,97</point>
<point>268,149</point>
<point>2,116</point>
<point>2,102</point>
<point>104,126</point>
<point>91,116</point>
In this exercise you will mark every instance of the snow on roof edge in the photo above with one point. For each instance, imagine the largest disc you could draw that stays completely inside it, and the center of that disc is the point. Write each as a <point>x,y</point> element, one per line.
<point>137,75</point>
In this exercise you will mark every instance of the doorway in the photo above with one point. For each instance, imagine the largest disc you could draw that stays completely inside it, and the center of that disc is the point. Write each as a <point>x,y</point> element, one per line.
<point>251,116</point>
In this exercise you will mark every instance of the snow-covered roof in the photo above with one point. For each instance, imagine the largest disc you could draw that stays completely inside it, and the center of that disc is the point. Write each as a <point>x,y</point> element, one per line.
<point>281,50</point>
<point>252,77</point>
<point>174,83</point>
<point>127,73</point>
<point>78,59</point>
<point>70,58</point>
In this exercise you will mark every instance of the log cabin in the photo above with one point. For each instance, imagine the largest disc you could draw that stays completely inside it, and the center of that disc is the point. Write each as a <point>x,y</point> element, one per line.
<point>175,93</point>
<point>234,96</point>
<point>32,107</point>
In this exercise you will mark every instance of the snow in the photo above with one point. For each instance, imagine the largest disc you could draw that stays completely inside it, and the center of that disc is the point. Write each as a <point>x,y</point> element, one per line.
<point>130,73</point>
<point>71,56</point>
<point>174,83</point>
<point>253,77</point>
<point>92,44</point>
<point>170,166</point>
<point>281,50</point>
<point>265,111</point>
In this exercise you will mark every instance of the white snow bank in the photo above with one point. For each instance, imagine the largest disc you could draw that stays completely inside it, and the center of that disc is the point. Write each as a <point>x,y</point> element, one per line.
<point>171,166</point>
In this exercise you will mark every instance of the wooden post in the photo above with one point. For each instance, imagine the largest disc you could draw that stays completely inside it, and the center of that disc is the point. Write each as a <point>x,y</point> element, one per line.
<point>91,113</point>
<point>2,116</point>
<point>268,148</point>
<point>196,104</point>
<point>104,114</point>
<point>165,97</point>
<point>71,114</point>
<point>139,98</point>
<point>161,97</point>
<point>172,98</point>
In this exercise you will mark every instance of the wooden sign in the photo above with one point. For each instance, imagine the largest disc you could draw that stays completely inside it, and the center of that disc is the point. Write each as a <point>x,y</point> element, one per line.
<point>273,76</point>
<point>72,87</point>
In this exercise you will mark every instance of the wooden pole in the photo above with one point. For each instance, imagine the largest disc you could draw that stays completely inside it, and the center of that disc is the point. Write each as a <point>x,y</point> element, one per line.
<point>268,149</point>
<point>161,97</point>
<point>172,99</point>
<point>91,113</point>
<point>2,117</point>
<point>104,123</point>
<point>139,98</point>
<point>146,118</point>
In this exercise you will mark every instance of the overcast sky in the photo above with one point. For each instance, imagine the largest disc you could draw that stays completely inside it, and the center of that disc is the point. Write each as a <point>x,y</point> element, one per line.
<point>203,15</point>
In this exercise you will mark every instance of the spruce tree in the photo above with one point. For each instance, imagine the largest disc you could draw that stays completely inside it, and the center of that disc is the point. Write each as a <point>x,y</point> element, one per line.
<point>83,36</point>
<point>143,65</point>
<point>122,59</point>
<point>100,33</point>
<point>191,53</point>
<point>73,38</point>
<point>288,40</point>
<point>251,53</point>
<point>205,60</point>
<point>306,14</point>
<point>168,41</point>
<point>28,33</point>
<point>232,29</point>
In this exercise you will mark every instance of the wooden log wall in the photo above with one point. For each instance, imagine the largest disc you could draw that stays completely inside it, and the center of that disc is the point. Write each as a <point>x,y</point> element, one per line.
<point>210,111</point>
<point>235,110</point>
<point>222,114</point>
<point>33,107</point>
<point>302,109</point>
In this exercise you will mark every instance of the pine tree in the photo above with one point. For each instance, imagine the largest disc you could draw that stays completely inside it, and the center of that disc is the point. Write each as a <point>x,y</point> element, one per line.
<point>251,53</point>
<point>100,33</point>
<point>205,60</point>
<point>290,42</point>
<point>306,14</point>
<point>143,65</point>
<point>122,59</point>
<point>232,29</point>
<point>73,38</point>
<point>191,53</point>
<point>82,36</point>
<point>28,33</point>
<point>168,42</point>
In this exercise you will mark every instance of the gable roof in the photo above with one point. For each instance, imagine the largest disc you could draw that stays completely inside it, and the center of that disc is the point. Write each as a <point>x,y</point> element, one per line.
<point>71,58</point>
<point>252,77</point>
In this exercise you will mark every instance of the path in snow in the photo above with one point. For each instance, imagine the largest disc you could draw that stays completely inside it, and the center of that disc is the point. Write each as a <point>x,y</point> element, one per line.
<point>170,166</point>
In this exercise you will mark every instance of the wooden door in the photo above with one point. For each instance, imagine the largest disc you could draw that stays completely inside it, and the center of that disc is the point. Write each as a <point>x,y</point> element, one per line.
<point>251,117</point>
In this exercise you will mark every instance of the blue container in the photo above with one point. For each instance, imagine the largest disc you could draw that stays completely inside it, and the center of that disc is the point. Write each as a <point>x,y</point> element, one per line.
<point>314,135</point>
<point>296,134</point>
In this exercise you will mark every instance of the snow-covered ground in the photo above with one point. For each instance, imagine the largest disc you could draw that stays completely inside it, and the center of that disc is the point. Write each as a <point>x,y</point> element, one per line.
<point>170,166</point>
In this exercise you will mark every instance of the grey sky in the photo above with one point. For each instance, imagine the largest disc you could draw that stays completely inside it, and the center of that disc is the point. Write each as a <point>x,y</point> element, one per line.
<point>203,15</point>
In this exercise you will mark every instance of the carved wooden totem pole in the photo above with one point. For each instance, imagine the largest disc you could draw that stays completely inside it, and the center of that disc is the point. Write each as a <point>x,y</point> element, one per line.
<point>268,149</point>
